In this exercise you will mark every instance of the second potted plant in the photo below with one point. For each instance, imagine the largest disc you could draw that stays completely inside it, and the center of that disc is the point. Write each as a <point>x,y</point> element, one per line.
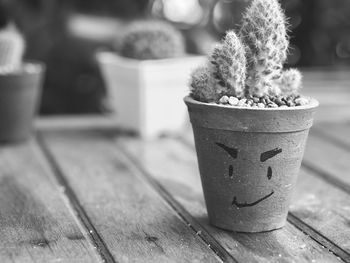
<point>20,87</point>
<point>250,123</point>
<point>148,75</point>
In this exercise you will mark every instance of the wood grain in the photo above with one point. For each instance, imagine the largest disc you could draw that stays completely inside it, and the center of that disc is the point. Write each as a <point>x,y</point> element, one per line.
<point>325,208</point>
<point>174,166</point>
<point>36,225</point>
<point>328,159</point>
<point>135,222</point>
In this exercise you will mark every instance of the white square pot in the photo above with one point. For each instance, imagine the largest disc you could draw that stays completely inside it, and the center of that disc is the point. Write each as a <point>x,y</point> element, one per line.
<point>147,96</point>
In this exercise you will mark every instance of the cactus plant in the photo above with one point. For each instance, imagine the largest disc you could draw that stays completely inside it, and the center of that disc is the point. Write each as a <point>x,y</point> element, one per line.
<point>250,66</point>
<point>12,47</point>
<point>290,82</point>
<point>229,64</point>
<point>152,40</point>
<point>225,75</point>
<point>263,31</point>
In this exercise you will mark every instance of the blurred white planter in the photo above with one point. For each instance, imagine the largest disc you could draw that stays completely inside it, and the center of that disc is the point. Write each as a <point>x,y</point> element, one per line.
<point>147,96</point>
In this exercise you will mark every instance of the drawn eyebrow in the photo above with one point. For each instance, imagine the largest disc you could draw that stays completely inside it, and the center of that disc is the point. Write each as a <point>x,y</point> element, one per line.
<point>231,151</point>
<point>269,154</point>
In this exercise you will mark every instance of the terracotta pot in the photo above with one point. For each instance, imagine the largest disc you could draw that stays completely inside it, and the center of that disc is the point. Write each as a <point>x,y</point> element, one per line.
<point>249,161</point>
<point>19,99</point>
<point>140,90</point>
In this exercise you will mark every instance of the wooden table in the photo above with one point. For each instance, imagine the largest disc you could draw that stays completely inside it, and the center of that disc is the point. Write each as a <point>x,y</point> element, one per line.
<point>83,191</point>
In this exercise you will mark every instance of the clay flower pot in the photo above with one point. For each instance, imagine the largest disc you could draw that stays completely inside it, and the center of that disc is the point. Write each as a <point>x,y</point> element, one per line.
<point>140,90</point>
<point>19,99</point>
<point>249,161</point>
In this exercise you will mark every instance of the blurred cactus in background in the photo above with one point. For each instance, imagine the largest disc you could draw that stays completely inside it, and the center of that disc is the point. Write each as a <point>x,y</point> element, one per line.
<point>12,44</point>
<point>12,47</point>
<point>152,40</point>
<point>320,36</point>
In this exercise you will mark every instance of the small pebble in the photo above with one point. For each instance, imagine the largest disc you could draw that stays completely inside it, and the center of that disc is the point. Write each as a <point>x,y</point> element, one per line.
<point>301,101</point>
<point>265,101</point>
<point>242,102</point>
<point>289,102</point>
<point>272,105</point>
<point>256,99</point>
<point>284,99</point>
<point>224,100</point>
<point>278,101</point>
<point>233,101</point>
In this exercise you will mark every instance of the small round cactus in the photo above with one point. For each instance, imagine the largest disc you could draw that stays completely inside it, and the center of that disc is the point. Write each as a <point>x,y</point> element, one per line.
<point>12,47</point>
<point>290,82</point>
<point>152,40</point>
<point>263,31</point>
<point>203,85</point>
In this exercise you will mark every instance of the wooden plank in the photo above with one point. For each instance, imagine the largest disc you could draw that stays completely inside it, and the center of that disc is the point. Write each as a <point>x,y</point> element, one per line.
<point>325,208</point>
<point>310,185</point>
<point>336,133</point>
<point>89,121</point>
<point>36,224</point>
<point>135,223</point>
<point>174,166</point>
<point>328,160</point>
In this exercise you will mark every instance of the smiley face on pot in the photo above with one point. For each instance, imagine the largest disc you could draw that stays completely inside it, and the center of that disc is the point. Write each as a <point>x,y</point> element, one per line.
<point>233,152</point>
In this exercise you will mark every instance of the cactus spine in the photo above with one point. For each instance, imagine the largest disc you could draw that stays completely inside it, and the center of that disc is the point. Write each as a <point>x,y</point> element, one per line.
<point>12,47</point>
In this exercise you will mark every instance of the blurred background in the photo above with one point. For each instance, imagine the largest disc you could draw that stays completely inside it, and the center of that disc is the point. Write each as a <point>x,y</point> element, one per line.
<point>65,34</point>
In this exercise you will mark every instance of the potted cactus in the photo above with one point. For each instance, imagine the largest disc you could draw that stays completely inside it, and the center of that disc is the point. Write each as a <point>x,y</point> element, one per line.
<point>148,75</point>
<point>20,86</point>
<point>250,123</point>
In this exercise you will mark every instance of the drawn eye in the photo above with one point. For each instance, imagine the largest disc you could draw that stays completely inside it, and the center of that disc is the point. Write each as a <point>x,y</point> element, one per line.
<point>230,171</point>
<point>269,173</point>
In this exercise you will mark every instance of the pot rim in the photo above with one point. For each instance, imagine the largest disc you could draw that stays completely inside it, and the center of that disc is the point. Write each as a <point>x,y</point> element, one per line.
<point>191,101</point>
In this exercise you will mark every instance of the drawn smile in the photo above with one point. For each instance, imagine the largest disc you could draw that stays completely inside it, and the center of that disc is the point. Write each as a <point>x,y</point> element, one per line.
<point>245,204</point>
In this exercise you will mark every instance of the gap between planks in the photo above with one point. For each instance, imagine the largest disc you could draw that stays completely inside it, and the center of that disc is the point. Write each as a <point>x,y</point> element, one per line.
<point>208,239</point>
<point>294,220</point>
<point>95,238</point>
<point>319,238</point>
